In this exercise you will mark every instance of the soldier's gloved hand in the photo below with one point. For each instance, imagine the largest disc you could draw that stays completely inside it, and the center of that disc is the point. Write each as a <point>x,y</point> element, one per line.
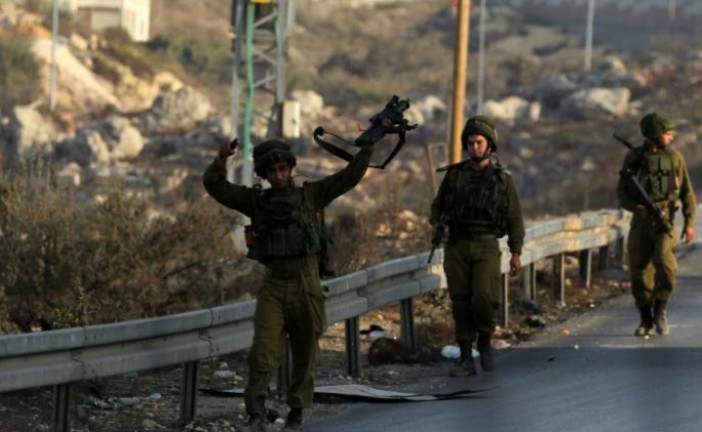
<point>641,212</point>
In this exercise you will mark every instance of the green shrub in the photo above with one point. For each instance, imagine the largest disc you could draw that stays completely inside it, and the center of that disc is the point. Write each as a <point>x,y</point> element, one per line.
<point>120,47</point>
<point>67,263</point>
<point>19,73</point>
<point>210,62</point>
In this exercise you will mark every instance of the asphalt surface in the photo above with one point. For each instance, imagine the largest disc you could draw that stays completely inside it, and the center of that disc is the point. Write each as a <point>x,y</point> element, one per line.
<point>599,377</point>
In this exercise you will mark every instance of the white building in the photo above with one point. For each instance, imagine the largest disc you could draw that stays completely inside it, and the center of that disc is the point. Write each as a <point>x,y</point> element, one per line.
<point>132,15</point>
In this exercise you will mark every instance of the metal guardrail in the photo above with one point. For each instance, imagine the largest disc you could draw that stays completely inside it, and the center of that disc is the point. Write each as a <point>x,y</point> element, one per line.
<point>61,357</point>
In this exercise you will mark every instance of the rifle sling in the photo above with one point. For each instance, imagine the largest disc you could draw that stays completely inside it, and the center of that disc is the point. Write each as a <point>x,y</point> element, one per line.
<point>343,154</point>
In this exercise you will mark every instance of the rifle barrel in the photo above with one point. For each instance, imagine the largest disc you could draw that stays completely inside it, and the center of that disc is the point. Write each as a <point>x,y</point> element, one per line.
<point>623,141</point>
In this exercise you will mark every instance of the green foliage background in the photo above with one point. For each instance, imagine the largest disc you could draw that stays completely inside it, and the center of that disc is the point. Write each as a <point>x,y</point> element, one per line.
<point>67,264</point>
<point>19,72</point>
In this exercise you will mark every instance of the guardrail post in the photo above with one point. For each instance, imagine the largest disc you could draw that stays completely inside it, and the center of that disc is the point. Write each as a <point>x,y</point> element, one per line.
<point>529,281</point>
<point>586,266</point>
<point>188,392</point>
<point>409,338</point>
<point>284,370</point>
<point>559,279</point>
<point>353,347</point>
<point>503,313</point>
<point>62,401</point>
<point>603,257</point>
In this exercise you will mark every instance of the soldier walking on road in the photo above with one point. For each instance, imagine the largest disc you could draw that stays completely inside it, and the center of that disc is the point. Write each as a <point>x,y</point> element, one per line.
<point>286,240</point>
<point>478,202</point>
<point>662,173</point>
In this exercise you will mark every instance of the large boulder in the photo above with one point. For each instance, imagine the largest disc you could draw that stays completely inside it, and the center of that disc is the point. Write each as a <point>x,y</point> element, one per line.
<point>596,103</point>
<point>552,91</point>
<point>23,133</point>
<point>103,142</point>
<point>513,108</point>
<point>176,111</point>
<point>311,102</point>
<point>431,108</point>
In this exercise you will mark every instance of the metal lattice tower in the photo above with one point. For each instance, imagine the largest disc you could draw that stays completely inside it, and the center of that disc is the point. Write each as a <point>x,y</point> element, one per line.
<point>260,29</point>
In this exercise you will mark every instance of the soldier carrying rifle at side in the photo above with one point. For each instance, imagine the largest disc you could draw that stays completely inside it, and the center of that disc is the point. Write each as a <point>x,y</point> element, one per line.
<point>660,171</point>
<point>478,201</point>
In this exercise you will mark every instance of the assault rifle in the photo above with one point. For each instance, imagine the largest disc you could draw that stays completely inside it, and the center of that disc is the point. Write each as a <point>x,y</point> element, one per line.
<point>389,121</point>
<point>662,225</point>
<point>439,234</point>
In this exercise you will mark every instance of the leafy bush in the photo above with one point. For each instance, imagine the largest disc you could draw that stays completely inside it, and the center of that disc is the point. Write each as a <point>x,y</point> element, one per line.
<point>120,47</point>
<point>19,72</point>
<point>209,61</point>
<point>67,263</point>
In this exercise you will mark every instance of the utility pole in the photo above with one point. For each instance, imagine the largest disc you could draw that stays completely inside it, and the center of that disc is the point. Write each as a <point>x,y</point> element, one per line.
<point>588,34</point>
<point>460,64</point>
<point>54,41</point>
<point>481,57</point>
<point>672,10</point>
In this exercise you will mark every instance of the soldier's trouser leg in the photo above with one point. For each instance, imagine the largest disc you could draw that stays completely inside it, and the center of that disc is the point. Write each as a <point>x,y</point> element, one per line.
<point>486,280</point>
<point>457,267</point>
<point>306,320</point>
<point>641,244</point>
<point>472,270</point>
<point>269,334</point>
<point>666,266</point>
<point>648,252</point>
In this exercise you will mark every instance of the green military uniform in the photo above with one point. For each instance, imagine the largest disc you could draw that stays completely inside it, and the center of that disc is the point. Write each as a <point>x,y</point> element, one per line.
<point>480,207</point>
<point>662,173</point>
<point>478,202</point>
<point>286,240</point>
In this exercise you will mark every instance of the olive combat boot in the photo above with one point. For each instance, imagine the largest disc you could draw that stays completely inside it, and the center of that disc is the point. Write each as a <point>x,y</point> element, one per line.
<point>293,422</point>
<point>487,355</point>
<point>256,423</point>
<point>646,324</point>
<point>465,366</point>
<point>659,318</point>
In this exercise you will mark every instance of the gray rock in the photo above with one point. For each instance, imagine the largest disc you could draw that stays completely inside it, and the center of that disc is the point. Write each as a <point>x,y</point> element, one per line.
<point>599,102</point>
<point>176,111</point>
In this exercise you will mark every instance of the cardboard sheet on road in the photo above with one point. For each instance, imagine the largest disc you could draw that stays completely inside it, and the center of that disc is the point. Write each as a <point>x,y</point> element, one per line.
<point>363,393</point>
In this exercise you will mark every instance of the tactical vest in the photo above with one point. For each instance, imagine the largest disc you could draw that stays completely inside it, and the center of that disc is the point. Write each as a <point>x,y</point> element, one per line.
<point>283,226</point>
<point>478,200</point>
<point>656,174</point>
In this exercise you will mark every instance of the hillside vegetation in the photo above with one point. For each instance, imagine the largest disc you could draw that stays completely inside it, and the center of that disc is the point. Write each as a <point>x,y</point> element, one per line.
<point>106,228</point>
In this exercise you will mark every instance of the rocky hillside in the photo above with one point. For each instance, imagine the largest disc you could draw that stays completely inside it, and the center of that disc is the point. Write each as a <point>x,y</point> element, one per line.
<point>156,132</point>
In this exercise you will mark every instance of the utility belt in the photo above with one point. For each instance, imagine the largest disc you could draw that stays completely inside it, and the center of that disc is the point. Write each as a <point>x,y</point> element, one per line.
<point>460,232</point>
<point>466,235</point>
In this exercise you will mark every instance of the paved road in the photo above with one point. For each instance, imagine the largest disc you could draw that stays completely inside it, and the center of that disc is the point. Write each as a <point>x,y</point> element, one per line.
<point>598,378</point>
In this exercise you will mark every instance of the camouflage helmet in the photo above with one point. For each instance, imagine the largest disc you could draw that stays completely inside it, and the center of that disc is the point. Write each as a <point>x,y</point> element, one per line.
<point>481,125</point>
<point>654,124</point>
<point>271,152</point>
